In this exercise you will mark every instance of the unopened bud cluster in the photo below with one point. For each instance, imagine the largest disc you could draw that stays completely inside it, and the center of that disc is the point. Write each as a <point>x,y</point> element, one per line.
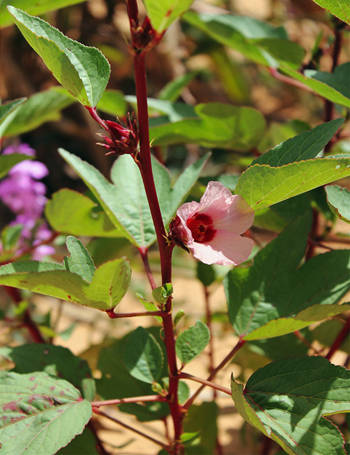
<point>122,140</point>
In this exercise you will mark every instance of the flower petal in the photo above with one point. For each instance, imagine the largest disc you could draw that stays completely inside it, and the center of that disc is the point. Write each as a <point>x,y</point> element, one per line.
<point>225,249</point>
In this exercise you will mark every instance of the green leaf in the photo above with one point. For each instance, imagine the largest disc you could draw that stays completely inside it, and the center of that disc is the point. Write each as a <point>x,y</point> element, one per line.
<point>79,261</point>
<point>162,293</point>
<point>318,86</point>
<point>82,444</point>
<point>192,342</point>
<point>205,273</point>
<point>173,89</point>
<point>69,212</point>
<point>217,125</point>
<point>273,297</point>
<point>339,201</point>
<point>39,413</point>
<point>339,79</point>
<point>113,102</point>
<point>148,412</point>
<point>8,161</point>
<point>163,14</point>
<point>36,110</point>
<point>203,418</point>
<point>149,306</point>
<point>109,284</point>
<point>37,7</point>
<point>143,356</point>
<point>288,399</point>
<point>339,8</point>
<point>262,185</point>
<point>7,108</point>
<point>173,111</point>
<point>53,360</point>
<point>125,202</point>
<point>10,236</point>
<point>256,40</point>
<point>82,70</point>
<point>304,146</point>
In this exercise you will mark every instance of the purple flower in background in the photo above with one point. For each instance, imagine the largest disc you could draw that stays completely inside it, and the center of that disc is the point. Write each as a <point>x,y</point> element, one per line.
<point>25,196</point>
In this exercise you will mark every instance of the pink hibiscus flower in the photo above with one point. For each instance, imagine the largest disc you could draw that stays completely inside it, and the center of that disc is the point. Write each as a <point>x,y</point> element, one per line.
<point>211,228</point>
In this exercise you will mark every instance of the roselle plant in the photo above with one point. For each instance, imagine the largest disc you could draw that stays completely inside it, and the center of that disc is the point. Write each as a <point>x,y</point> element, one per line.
<point>279,291</point>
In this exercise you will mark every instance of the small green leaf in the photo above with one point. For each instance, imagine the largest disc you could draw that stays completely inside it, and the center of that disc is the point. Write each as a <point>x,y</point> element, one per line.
<point>263,185</point>
<point>39,413</point>
<point>10,236</point>
<point>82,70</point>
<point>69,212</point>
<point>79,261</point>
<point>178,316</point>
<point>162,293</point>
<point>319,86</point>
<point>339,8</point>
<point>339,201</point>
<point>53,360</point>
<point>205,273</point>
<point>288,399</point>
<point>304,146</point>
<point>192,342</point>
<point>143,356</point>
<point>8,161</point>
<point>7,108</point>
<point>36,110</point>
<point>149,306</point>
<point>163,14</point>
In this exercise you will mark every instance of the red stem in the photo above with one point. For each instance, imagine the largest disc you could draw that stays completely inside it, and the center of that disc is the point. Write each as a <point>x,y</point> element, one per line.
<point>339,340</point>
<point>165,250</point>
<point>229,356</point>
<point>205,382</point>
<point>28,322</point>
<point>113,315</point>
<point>128,427</point>
<point>97,404</point>
<point>144,256</point>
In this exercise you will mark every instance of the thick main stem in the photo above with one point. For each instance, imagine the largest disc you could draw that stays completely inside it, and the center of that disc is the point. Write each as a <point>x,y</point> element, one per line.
<point>165,250</point>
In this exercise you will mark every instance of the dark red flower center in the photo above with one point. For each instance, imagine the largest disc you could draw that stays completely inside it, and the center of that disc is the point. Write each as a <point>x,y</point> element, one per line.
<point>202,227</point>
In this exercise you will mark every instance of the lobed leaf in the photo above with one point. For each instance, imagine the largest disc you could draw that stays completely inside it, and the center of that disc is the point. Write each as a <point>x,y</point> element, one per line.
<point>288,399</point>
<point>273,297</point>
<point>82,70</point>
<point>39,413</point>
<point>70,212</point>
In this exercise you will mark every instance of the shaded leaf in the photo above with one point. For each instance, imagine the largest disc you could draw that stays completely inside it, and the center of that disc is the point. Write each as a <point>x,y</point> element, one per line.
<point>192,342</point>
<point>82,444</point>
<point>273,297</point>
<point>143,356</point>
<point>339,201</point>
<point>339,79</point>
<point>7,108</point>
<point>203,418</point>
<point>173,89</point>
<point>82,70</point>
<point>113,102</point>
<point>53,360</point>
<point>36,110</point>
<point>304,146</point>
<point>163,14</point>
<point>288,399</point>
<point>8,161</point>
<point>215,125</point>
<point>39,413</point>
